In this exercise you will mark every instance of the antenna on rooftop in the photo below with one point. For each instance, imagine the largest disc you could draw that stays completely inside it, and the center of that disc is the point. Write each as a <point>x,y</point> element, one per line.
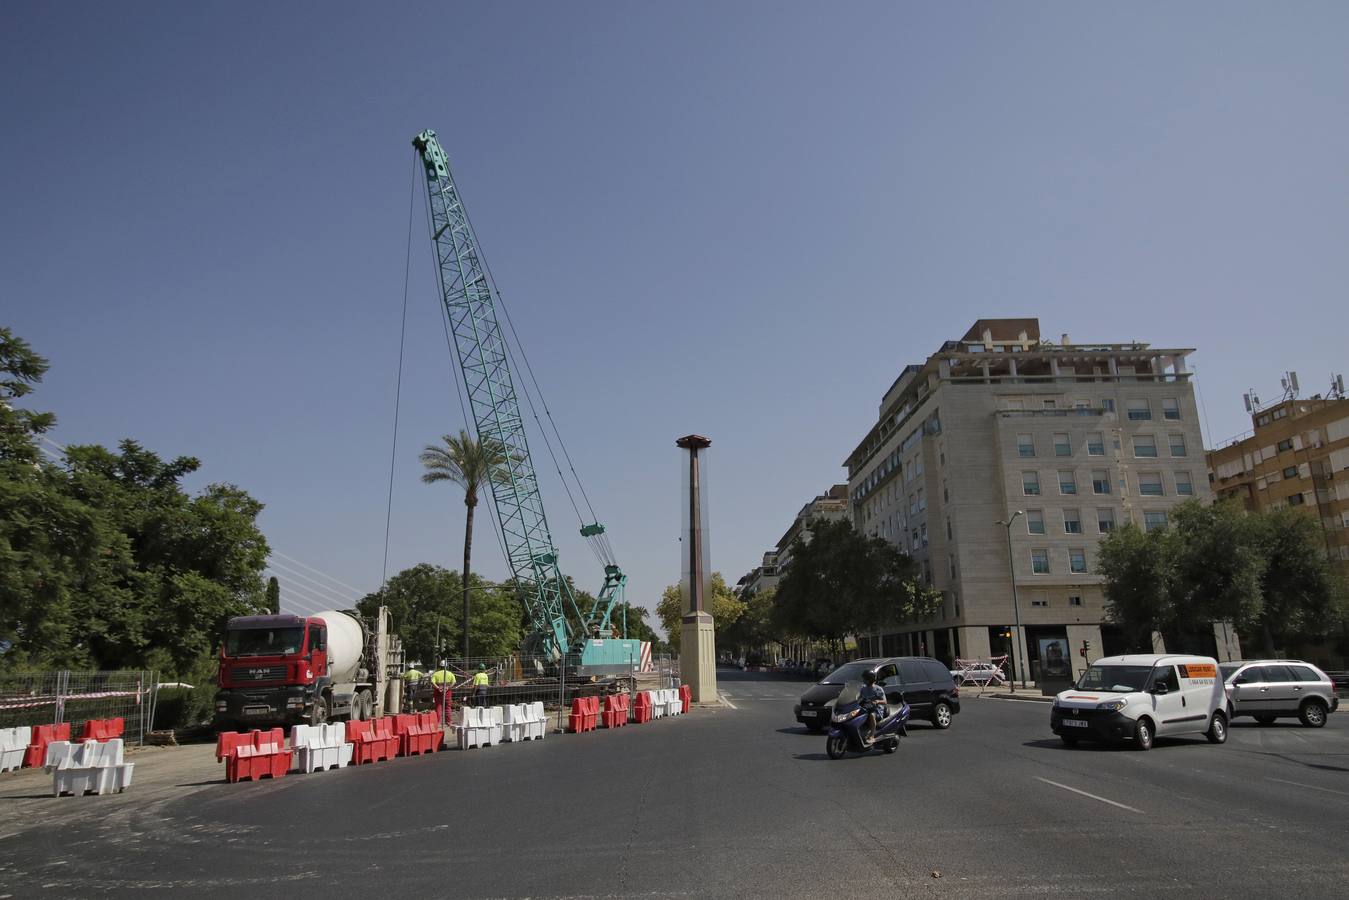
<point>1251,400</point>
<point>1336,387</point>
<point>1289,384</point>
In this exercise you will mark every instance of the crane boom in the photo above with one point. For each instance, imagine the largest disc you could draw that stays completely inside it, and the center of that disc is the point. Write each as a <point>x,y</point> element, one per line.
<point>494,404</point>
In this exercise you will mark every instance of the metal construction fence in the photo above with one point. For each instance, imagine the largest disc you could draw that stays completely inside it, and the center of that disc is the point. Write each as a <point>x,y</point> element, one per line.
<point>50,698</point>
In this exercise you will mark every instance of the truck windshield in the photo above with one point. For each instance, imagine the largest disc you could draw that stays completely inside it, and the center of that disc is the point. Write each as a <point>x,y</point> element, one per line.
<point>263,641</point>
<point>1116,679</point>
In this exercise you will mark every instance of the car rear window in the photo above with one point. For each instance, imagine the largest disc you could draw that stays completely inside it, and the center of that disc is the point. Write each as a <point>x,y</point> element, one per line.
<point>1304,673</point>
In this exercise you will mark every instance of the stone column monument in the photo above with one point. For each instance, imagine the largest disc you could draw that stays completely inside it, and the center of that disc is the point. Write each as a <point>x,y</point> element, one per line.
<point>697,648</point>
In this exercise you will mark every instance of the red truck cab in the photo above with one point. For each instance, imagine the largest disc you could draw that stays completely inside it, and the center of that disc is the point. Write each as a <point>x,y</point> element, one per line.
<point>273,671</point>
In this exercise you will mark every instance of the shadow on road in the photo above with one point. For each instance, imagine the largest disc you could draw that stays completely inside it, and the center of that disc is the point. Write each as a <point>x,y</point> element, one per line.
<point>800,730</point>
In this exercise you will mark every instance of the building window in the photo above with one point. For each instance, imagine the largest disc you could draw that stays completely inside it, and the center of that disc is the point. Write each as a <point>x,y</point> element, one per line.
<point>1036,601</point>
<point>1077,560</point>
<point>1154,519</point>
<point>1285,445</point>
<point>1062,446</point>
<point>1100,481</point>
<point>1096,444</point>
<point>1105,520</point>
<point>1183,485</point>
<point>1290,472</point>
<point>1262,421</point>
<point>1067,483</point>
<point>1025,445</point>
<point>1108,405</point>
<point>1139,410</point>
<point>1177,445</point>
<point>1145,445</point>
<point>1047,404</point>
<point>1074,600</point>
<point>1171,408</point>
<point>1296,500</point>
<point>1039,562</point>
<point>1150,484</point>
<point>1035,521</point>
<point>1072,522</point>
<point>1030,484</point>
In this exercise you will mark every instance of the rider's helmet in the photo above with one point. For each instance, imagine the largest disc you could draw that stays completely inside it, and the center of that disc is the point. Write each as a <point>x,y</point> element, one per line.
<point>869,677</point>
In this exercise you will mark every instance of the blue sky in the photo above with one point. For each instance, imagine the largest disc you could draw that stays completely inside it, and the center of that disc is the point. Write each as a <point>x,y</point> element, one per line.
<point>737,219</point>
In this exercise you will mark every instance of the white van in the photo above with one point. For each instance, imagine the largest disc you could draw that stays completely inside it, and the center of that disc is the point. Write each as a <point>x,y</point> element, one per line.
<point>1140,697</point>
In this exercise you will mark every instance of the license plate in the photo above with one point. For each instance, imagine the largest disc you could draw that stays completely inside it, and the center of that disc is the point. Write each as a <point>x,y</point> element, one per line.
<point>1073,723</point>
<point>809,712</point>
<point>257,710</point>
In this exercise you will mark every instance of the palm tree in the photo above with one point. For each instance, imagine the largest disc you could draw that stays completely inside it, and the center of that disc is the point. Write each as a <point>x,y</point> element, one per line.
<point>469,464</point>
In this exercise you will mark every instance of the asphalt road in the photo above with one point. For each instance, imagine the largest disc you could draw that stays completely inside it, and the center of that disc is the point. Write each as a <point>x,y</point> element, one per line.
<point>729,802</point>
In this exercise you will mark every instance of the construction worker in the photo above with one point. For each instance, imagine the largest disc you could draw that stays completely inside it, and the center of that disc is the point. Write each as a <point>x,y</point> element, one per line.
<point>442,683</point>
<point>410,679</point>
<point>480,682</point>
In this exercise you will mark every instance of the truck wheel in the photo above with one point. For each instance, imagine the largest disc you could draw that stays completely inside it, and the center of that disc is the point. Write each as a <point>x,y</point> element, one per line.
<point>1143,734</point>
<point>320,713</point>
<point>364,707</point>
<point>1217,729</point>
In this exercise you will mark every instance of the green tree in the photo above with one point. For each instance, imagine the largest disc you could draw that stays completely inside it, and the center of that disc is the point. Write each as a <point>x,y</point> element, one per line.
<point>273,595</point>
<point>842,582</point>
<point>1302,597</point>
<point>722,603</point>
<point>424,601</point>
<point>469,464</point>
<point>758,626</point>
<point>1139,569</point>
<point>1217,568</point>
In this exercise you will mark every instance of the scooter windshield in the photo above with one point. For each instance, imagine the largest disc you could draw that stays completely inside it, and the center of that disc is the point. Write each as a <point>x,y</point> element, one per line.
<point>849,694</point>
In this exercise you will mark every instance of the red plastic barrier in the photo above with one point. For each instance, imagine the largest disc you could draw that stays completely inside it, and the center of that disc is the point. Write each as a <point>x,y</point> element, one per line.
<point>615,710</point>
<point>255,755</point>
<point>593,713</point>
<point>576,722</point>
<point>417,733</point>
<point>371,740</point>
<point>685,696</point>
<point>641,708</point>
<point>101,730</point>
<point>36,754</point>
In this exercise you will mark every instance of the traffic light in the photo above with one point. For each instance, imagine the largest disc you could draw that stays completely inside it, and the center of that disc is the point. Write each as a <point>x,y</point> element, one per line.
<point>1086,648</point>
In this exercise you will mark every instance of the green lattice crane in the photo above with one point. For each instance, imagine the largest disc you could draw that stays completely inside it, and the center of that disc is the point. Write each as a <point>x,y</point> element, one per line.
<point>484,358</point>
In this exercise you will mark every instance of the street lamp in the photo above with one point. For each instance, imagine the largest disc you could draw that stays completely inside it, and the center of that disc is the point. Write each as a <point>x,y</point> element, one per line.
<point>1016,607</point>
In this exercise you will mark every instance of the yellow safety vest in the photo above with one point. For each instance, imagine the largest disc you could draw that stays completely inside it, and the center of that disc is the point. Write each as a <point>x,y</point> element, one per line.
<point>481,680</point>
<point>443,676</point>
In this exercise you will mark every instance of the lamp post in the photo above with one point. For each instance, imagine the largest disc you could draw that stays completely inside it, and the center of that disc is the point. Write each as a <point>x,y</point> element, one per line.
<point>1016,607</point>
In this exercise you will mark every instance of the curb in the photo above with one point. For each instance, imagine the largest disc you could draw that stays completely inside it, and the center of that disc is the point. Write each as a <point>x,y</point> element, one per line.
<point>1020,698</point>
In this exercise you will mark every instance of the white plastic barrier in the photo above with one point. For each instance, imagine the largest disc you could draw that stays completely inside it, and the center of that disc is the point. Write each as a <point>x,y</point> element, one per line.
<point>320,747</point>
<point>474,728</point>
<point>673,705</point>
<point>81,768</point>
<point>497,722</point>
<point>13,744</point>
<point>516,723</point>
<point>536,722</point>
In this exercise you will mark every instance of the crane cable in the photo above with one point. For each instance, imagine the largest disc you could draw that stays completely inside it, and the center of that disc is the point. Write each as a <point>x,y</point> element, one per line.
<point>398,389</point>
<point>605,554</point>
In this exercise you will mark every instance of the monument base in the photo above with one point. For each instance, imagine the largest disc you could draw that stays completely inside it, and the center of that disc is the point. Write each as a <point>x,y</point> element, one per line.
<point>698,657</point>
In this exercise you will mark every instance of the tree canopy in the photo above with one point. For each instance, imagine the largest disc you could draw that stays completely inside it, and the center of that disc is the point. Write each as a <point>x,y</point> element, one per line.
<point>1266,572</point>
<point>105,560</point>
<point>723,604</point>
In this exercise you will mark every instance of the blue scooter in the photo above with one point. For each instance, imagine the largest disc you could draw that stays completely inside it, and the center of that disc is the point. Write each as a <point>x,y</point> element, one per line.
<point>848,725</point>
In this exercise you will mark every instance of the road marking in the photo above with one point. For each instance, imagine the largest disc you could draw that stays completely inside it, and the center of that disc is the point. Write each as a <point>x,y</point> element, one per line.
<point>1085,794</point>
<point>1310,787</point>
<point>726,698</point>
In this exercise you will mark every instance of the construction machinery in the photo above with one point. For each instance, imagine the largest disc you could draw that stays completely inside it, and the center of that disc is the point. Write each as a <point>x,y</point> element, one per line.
<point>559,626</point>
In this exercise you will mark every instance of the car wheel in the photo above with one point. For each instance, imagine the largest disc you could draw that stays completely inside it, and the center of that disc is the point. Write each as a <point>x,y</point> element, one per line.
<point>1217,729</point>
<point>1069,739</point>
<point>1264,720</point>
<point>941,715</point>
<point>1143,734</point>
<point>1313,714</point>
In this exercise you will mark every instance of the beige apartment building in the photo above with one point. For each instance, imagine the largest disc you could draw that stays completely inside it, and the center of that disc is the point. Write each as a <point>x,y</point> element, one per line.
<point>1298,456</point>
<point>832,505</point>
<point>1077,438</point>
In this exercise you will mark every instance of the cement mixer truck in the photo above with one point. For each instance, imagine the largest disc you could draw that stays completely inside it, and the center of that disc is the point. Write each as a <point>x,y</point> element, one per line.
<point>289,670</point>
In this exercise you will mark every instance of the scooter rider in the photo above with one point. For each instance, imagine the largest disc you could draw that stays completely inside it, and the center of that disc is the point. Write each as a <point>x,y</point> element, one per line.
<point>872,699</point>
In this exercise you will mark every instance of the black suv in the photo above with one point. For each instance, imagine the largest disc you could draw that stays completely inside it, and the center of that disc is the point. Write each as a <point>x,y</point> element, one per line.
<point>926,684</point>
